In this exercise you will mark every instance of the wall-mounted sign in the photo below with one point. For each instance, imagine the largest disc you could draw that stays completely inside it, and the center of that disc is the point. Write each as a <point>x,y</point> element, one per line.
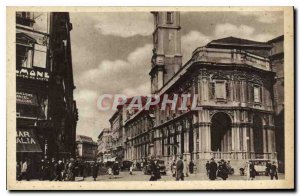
<point>27,141</point>
<point>33,74</point>
<point>26,98</point>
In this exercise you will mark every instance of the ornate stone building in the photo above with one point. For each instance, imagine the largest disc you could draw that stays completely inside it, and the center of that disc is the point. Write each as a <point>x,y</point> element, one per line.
<point>137,129</point>
<point>234,83</point>
<point>234,80</point>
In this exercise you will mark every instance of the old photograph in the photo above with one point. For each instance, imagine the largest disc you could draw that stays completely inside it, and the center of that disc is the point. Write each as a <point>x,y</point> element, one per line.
<point>150,98</point>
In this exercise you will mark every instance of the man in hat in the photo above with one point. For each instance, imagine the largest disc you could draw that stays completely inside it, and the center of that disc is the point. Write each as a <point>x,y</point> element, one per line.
<point>222,170</point>
<point>213,167</point>
<point>179,169</point>
<point>153,169</point>
<point>115,169</point>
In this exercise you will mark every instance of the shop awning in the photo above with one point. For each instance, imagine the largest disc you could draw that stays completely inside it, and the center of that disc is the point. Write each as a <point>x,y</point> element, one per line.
<point>27,141</point>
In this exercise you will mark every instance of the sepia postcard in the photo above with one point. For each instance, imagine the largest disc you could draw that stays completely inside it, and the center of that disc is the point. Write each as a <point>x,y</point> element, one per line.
<point>150,98</point>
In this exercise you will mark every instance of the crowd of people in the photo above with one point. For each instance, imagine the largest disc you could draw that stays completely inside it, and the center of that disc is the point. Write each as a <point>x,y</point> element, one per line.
<point>223,170</point>
<point>64,170</point>
<point>214,170</point>
<point>68,170</point>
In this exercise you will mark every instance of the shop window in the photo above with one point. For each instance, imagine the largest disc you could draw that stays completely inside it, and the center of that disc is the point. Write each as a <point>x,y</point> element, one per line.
<point>170,18</point>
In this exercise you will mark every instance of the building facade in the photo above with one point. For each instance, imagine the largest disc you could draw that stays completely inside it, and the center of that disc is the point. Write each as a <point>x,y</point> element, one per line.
<point>234,80</point>
<point>138,142</point>
<point>86,148</point>
<point>117,133</point>
<point>277,59</point>
<point>46,110</point>
<point>104,145</point>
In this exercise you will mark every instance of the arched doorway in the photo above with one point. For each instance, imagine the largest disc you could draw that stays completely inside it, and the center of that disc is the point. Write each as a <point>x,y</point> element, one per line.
<point>258,134</point>
<point>221,132</point>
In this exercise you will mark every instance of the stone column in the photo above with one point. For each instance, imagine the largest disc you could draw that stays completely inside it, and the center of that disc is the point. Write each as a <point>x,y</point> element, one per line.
<point>195,142</point>
<point>271,141</point>
<point>265,142</point>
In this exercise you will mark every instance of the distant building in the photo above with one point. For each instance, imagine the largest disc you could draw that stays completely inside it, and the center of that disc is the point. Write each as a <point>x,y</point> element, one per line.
<point>104,145</point>
<point>86,148</point>
<point>117,122</point>
<point>138,140</point>
<point>117,132</point>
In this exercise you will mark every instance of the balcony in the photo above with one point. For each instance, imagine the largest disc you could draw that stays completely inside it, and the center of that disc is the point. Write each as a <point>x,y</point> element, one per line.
<point>228,56</point>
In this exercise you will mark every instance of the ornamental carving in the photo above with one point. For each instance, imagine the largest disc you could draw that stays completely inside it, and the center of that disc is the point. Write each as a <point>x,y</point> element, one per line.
<point>229,112</point>
<point>220,76</point>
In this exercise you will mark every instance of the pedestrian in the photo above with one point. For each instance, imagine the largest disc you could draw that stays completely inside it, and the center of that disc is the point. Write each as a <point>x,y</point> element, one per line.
<point>273,171</point>
<point>52,169</point>
<point>207,168</point>
<point>59,171</point>
<point>71,170</point>
<point>252,171</point>
<point>153,169</point>
<point>179,169</point>
<point>191,167</point>
<point>268,168</point>
<point>25,170</point>
<point>158,176</point>
<point>42,169</point>
<point>95,169</point>
<point>173,168</point>
<point>212,169</point>
<point>18,170</point>
<point>186,168</point>
<point>222,170</point>
<point>109,172</point>
<point>65,171</point>
<point>229,168</point>
<point>116,169</point>
<point>131,168</point>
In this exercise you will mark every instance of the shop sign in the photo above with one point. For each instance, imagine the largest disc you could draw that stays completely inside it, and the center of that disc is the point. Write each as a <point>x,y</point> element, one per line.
<point>26,98</point>
<point>29,73</point>
<point>25,137</point>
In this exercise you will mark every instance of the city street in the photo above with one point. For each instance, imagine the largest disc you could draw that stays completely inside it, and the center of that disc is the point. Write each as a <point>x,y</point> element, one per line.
<point>139,176</point>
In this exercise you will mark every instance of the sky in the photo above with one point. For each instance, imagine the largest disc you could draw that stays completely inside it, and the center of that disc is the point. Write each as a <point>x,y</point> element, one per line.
<point>111,52</point>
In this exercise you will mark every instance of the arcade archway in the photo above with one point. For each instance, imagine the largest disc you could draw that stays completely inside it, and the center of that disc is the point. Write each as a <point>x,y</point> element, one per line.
<point>258,134</point>
<point>221,132</point>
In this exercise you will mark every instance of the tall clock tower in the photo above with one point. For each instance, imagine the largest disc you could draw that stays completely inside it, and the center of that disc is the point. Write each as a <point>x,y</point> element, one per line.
<point>167,58</point>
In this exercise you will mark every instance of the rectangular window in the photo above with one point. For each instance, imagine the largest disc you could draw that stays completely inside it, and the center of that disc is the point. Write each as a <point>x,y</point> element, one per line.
<point>24,55</point>
<point>40,56</point>
<point>257,94</point>
<point>220,90</point>
<point>170,17</point>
